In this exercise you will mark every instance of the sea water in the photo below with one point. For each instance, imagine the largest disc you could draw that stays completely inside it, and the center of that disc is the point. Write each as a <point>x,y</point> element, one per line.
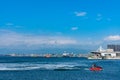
<point>37,68</point>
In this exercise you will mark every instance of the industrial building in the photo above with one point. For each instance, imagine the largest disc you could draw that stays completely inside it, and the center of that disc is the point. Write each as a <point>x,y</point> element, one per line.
<point>114,47</point>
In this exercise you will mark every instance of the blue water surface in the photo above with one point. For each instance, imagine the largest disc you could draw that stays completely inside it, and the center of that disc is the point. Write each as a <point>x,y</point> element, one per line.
<point>37,68</point>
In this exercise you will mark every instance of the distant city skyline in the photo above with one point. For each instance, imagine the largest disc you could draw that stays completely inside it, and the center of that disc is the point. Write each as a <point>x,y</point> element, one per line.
<point>81,24</point>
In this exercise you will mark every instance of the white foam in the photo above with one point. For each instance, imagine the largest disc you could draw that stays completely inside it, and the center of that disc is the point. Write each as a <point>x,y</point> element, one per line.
<point>31,66</point>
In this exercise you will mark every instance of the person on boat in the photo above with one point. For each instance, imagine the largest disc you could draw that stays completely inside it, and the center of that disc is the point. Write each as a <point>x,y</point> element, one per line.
<point>94,65</point>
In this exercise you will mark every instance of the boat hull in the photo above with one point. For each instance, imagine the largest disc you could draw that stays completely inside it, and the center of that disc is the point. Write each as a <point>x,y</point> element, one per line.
<point>96,68</point>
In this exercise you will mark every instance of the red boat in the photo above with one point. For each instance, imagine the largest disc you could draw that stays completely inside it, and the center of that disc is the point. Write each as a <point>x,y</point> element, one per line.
<point>95,68</point>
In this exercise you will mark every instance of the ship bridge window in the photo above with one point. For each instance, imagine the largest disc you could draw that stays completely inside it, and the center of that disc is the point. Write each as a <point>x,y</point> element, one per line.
<point>107,54</point>
<point>117,54</point>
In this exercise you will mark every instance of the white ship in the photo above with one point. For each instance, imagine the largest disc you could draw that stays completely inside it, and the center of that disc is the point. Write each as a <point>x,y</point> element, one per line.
<point>101,53</point>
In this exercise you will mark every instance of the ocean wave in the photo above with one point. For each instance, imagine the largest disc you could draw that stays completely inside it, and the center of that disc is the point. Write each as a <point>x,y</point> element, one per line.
<point>47,66</point>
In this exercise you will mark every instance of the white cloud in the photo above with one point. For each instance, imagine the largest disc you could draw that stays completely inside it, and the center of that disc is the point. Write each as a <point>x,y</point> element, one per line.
<point>99,17</point>
<point>74,28</point>
<point>80,13</point>
<point>113,38</point>
<point>109,19</point>
<point>8,39</point>
<point>9,24</point>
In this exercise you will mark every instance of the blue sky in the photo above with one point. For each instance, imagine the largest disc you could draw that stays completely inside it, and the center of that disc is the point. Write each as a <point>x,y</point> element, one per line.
<point>38,23</point>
